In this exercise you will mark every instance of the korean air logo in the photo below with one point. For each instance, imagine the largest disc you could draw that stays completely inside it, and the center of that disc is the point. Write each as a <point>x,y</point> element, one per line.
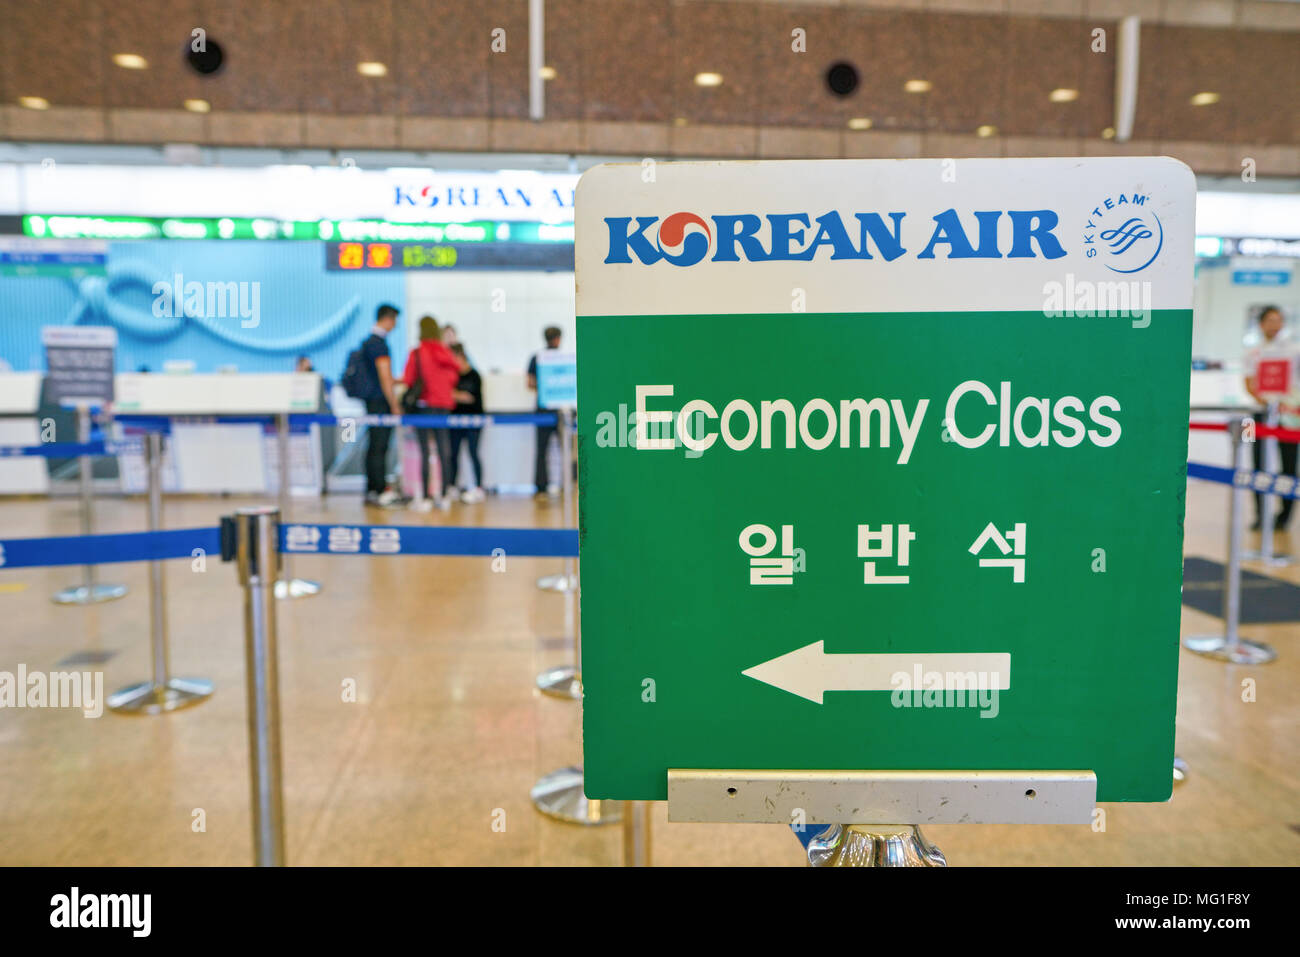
<point>1124,232</point>
<point>684,239</point>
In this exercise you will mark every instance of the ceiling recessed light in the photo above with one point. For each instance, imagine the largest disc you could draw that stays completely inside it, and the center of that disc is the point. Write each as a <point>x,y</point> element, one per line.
<point>198,106</point>
<point>1108,133</point>
<point>1063,94</point>
<point>34,102</point>
<point>986,131</point>
<point>679,121</point>
<point>1204,99</point>
<point>547,73</point>
<point>708,79</point>
<point>860,123</point>
<point>130,61</point>
<point>372,68</point>
<point>918,86</point>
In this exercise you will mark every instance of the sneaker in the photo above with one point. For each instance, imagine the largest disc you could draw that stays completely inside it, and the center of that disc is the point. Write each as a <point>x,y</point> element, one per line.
<point>372,498</point>
<point>472,496</point>
<point>387,498</point>
<point>552,491</point>
<point>421,505</point>
<point>444,504</point>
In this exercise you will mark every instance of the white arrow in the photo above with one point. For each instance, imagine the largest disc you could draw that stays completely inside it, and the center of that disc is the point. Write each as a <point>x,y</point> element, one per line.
<point>810,672</point>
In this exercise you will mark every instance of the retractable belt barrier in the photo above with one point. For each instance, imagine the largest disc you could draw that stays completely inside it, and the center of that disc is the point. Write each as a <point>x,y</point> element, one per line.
<point>63,450</point>
<point>1266,483</point>
<point>296,539</point>
<point>1261,431</point>
<point>162,423</point>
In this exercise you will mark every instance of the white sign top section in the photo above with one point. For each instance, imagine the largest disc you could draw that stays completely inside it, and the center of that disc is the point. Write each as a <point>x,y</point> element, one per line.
<point>926,235</point>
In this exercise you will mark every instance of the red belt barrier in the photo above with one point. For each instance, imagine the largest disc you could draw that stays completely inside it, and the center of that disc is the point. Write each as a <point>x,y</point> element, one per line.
<point>1261,431</point>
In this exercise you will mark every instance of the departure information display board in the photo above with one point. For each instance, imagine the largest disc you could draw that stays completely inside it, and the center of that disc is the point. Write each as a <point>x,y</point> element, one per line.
<point>882,466</point>
<point>389,257</point>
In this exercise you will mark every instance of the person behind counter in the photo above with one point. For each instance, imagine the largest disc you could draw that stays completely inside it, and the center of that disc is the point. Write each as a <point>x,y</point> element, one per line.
<point>1273,345</point>
<point>545,433</point>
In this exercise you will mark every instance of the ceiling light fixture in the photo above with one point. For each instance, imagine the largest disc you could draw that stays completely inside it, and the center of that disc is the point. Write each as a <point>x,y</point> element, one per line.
<point>1204,99</point>
<point>34,102</point>
<point>198,106</point>
<point>708,79</point>
<point>860,123</point>
<point>1063,94</point>
<point>918,86</point>
<point>130,61</point>
<point>372,68</point>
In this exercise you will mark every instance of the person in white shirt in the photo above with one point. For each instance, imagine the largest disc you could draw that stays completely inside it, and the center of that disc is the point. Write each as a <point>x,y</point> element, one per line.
<point>1273,347</point>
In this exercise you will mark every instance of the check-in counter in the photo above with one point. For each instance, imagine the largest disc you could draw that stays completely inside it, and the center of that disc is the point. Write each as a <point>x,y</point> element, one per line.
<point>508,451</point>
<point>207,457</point>
<point>1214,390</point>
<point>20,399</point>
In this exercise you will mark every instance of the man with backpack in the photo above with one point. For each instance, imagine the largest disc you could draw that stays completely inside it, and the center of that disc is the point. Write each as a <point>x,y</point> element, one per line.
<point>369,377</point>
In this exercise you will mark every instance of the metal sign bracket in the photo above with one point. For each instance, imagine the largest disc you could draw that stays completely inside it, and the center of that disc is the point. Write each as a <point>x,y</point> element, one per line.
<point>881,797</point>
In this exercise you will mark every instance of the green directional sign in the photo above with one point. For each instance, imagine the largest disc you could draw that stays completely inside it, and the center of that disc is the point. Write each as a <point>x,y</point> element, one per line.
<point>882,466</point>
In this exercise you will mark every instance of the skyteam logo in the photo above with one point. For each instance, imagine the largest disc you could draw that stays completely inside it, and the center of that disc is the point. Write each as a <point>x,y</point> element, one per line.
<point>1124,232</point>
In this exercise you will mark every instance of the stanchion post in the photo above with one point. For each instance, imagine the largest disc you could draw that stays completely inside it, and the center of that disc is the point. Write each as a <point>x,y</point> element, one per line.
<point>568,581</point>
<point>1230,646</point>
<point>636,834</point>
<point>565,681</point>
<point>560,794</point>
<point>1272,461</point>
<point>88,592</point>
<point>257,556</point>
<point>162,692</point>
<point>288,586</point>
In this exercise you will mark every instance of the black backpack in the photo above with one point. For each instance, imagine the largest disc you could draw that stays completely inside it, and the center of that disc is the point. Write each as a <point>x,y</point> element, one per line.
<point>354,380</point>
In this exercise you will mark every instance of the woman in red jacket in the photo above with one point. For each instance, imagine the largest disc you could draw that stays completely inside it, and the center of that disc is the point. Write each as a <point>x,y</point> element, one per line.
<point>437,372</point>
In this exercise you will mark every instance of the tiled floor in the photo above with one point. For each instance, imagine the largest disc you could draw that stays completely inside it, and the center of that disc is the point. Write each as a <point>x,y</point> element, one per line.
<point>447,731</point>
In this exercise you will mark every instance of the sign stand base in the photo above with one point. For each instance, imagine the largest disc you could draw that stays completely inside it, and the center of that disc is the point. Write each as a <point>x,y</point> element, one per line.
<point>560,682</point>
<point>88,594</point>
<point>559,583</point>
<point>1268,559</point>
<point>296,588</point>
<point>873,845</point>
<point>148,697</point>
<point>1239,652</point>
<point>1181,770</point>
<point>559,795</point>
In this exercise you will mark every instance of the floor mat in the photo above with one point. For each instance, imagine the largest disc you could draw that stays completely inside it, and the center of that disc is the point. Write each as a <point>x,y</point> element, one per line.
<point>1263,599</point>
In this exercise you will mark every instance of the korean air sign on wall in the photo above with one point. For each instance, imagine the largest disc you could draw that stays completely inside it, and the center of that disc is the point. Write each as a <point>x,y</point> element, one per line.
<point>289,192</point>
